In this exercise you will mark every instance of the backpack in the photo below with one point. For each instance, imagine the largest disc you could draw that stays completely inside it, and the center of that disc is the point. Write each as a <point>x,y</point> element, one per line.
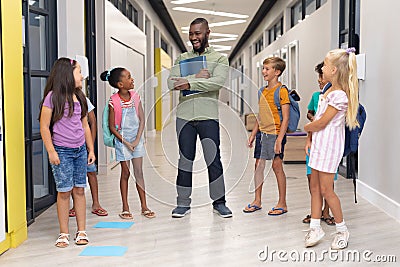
<point>351,145</point>
<point>294,113</point>
<point>108,137</point>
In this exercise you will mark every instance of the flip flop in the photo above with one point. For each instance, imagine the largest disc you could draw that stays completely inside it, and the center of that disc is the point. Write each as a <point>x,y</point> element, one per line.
<point>100,212</point>
<point>253,207</point>
<point>149,214</point>
<point>126,215</point>
<point>280,210</point>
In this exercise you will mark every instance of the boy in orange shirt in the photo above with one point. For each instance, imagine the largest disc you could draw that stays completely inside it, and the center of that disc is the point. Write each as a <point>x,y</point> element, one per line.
<point>273,135</point>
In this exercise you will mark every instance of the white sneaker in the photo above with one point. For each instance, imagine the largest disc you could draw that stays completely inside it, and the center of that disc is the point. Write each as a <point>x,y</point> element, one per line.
<point>313,236</point>
<point>341,240</point>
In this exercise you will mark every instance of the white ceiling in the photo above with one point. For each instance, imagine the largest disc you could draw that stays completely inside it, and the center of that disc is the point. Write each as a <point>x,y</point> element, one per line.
<point>242,7</point>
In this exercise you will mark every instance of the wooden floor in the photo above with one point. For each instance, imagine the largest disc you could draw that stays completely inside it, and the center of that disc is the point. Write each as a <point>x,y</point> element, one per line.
<point>203,238</point>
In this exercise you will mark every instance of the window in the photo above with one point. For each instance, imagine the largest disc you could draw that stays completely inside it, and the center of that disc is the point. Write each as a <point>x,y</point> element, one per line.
<point>344,24</point>
<point>297,13</point>
<point>259,45</point>
<point>275,31</point>
<point>311,6</point>
<point>135,17</point>
<point>164,45</point>
<point>303,8</point>
<point>128,9</point>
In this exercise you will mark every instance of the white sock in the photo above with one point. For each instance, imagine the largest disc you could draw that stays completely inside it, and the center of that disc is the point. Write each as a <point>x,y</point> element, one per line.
<point>315,223</point>
<point>341,227</point>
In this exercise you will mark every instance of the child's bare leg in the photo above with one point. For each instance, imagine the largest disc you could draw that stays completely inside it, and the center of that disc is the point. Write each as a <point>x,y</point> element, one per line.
<point>277,166</point>
<point>138,172</point>
<point>325,211</point>
<point>94,189</point>
<point>316,198</point>
<point>62,210</point>
<point>258,182</point>
<point>326,185</point>
<point>80,207</point>
<point>123,184</point>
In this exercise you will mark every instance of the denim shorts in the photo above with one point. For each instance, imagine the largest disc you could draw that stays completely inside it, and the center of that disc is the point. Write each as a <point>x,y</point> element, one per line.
<point>268,146</point>
<point>91,168</point>
<point>71,172</point>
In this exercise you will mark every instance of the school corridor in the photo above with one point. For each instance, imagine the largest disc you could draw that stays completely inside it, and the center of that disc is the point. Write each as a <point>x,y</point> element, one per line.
<point>202,238</point>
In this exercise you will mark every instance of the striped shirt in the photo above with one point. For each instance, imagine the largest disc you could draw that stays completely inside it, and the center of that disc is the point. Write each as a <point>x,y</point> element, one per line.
<point>328,144</point>
<point>125,103</point>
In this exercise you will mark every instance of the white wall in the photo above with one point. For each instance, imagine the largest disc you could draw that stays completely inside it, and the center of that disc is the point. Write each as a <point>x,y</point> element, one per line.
<point>120,43</point>
<point>70,28</point>
<point>316,35</point>
<point>379,179</point>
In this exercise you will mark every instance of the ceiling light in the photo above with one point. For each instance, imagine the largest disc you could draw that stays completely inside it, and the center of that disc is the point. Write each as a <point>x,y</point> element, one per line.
<point>222,40</point>
<point>222,47</point>
<point>215,40</point>
<point>210,12</point>
<point>223,23</point>
<point>182,2</point>
<point>228,35</point>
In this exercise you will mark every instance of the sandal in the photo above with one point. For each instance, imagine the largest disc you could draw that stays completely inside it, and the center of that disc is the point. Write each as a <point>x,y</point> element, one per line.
<point>81,238</point>
<point>329,220</point>
<point>72,213</point>
<point>100,212</point>
<point>126,215</point>
<point>62,240</point>
<point>307,219</point>
<point>149,214</point>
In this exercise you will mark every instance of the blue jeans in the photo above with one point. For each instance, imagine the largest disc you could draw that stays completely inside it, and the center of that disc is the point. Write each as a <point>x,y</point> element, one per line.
<point>208,131</point>
<point>71,172</point>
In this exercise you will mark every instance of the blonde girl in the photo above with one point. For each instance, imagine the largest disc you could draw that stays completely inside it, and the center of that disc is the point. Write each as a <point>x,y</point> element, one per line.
<point>337,107</point>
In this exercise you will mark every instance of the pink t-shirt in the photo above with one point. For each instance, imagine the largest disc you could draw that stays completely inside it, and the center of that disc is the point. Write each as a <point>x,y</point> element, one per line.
<point>68,131</point>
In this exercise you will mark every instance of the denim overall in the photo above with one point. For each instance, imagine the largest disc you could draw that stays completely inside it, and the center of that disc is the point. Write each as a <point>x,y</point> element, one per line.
<point>129,129</point>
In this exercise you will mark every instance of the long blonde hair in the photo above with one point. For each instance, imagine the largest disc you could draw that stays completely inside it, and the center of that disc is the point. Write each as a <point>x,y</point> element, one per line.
<point>346,77</point>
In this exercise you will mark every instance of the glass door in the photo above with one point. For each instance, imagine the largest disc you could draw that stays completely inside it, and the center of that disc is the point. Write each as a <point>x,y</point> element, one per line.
<point>40,51</point>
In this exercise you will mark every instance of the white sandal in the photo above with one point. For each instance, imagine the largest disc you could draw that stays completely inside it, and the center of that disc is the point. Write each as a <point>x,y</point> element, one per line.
<point>63,238</point>
<point>81,238</point>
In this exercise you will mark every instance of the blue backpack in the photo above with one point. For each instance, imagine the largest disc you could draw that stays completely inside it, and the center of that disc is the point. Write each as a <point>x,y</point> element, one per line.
<point>294,115</point>
<point>351,145</point>
<point>351,137</point>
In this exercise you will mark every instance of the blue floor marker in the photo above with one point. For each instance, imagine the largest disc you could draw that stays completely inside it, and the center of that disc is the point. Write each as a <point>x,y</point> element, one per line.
<point>117,225</point>
<point>104,251</point>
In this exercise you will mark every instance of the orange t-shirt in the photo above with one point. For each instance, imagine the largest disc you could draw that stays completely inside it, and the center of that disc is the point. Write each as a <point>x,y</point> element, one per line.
<point>268,114</point>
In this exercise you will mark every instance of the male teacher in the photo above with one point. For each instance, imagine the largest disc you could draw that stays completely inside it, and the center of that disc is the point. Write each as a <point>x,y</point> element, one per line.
<point>197,114</point>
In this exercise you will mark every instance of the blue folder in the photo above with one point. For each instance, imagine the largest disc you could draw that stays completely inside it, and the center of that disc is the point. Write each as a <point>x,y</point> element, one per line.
<point>192,66</point>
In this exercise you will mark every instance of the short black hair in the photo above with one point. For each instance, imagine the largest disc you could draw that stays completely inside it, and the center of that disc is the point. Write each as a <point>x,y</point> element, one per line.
<point>200,21</point>
<point>318,68</point>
